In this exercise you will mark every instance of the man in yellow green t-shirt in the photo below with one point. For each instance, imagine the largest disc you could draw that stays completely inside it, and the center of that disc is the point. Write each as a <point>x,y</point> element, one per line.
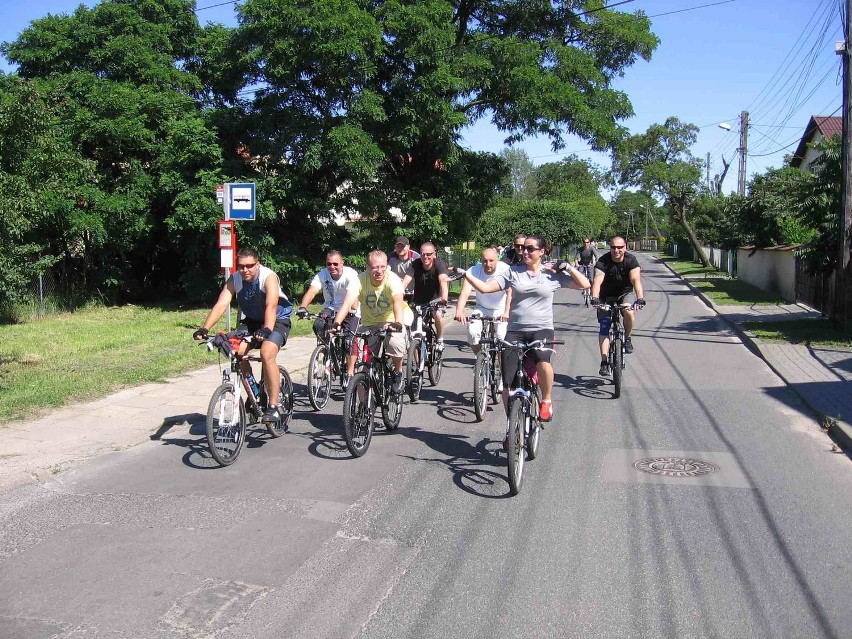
<point>380,294</point>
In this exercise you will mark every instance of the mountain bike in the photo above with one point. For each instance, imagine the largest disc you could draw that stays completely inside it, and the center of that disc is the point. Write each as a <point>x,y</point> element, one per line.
<point>486,370</point>
<point>327,363</point>
<point>615,355</point>
<point>586,269</point>
<point>524,425</point>
<point>370,386</point>
<point>423,352</point>
<point>240,398</point>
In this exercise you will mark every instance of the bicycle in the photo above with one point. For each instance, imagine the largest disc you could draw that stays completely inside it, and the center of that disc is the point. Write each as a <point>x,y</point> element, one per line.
<point>235,400</point>
<point>524,425</point>
<point>423,352</point>
<point>370,386</point>
<point>327,363</point>
<point>615,355</point>
<point>486,370</point>
<point>586,269</point>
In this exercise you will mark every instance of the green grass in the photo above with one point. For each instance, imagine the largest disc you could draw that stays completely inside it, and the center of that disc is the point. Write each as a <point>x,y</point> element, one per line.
<point>811,332</point>
<point>725,292</point>
<point>93,352</point>
<point>688,269</point>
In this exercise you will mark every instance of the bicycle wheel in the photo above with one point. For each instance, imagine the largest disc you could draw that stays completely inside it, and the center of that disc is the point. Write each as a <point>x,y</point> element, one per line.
<point>480,385</point>
<point>534,433</point>
<point>226,425</point>
<point>391,407</point>
<point>319,377</point>
<point>436,366</point>
<point>617,364</point>
<point>494,376</point>
<point>285,401</point>
<point>413,380</point>
<point>358,408</point>
<point>586,297</point>
<point>516,452</point>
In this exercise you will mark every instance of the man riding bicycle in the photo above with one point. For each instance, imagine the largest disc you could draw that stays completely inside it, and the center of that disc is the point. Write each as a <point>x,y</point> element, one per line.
<point>488,304</point>
<point>265,313</point>
<point>430,279</point>
<point>616,274</point>
<point>380,294</point>
<point>335,281</point>
<point>586,258</point>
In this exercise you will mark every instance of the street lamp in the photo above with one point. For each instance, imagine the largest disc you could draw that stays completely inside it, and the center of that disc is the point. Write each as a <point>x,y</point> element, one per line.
<point>724,125</point>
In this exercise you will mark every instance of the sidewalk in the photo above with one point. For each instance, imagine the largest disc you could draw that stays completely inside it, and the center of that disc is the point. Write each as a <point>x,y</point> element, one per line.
<point>820,375</point>
<point>37,449</point>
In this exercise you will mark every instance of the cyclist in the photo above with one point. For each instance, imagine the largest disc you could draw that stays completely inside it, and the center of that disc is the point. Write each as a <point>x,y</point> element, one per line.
<point>531,310</point>
<point>586,258</point>
<point>489,304</point>
<point>335,280</point>
<point>380,294</point>
<point>617,273</point>
<point>514,254</point>
<point>430,279</point>
<point>265,313</point>
<point>402,256</point>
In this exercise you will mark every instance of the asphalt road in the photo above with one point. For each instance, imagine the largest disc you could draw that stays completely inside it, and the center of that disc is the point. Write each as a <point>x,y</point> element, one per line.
<point>420,538</point>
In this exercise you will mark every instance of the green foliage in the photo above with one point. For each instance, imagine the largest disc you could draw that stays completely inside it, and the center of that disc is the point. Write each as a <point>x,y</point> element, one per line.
<point>820,205</point>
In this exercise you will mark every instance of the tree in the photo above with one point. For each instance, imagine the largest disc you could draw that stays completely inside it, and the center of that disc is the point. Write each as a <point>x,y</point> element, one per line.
<point>521,171</point>
<point>660,162</point>
<point>635,203</point>
<point>821,202</point>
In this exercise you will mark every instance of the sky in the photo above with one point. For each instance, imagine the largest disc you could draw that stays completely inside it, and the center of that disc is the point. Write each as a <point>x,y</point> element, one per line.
<point>772,58</point>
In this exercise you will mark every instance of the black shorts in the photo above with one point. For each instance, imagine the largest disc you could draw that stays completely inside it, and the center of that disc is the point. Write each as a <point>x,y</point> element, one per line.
<point>510,358</point>
<point>279,333</point>
<point>350,325</point>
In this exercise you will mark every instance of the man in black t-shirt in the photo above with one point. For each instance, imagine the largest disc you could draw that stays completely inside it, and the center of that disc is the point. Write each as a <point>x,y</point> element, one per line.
<point>616,274</point>
<point>429,277</point>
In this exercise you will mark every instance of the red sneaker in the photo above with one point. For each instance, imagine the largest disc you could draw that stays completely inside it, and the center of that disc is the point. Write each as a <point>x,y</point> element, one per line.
<point>545,410</point>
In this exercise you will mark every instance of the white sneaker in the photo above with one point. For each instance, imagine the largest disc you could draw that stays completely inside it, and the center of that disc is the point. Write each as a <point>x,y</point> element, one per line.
<point>500,386</point>
<point>440,345</point>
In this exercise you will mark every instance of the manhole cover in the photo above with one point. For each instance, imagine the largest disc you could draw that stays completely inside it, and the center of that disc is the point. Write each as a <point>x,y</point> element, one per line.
<point>675,466</point>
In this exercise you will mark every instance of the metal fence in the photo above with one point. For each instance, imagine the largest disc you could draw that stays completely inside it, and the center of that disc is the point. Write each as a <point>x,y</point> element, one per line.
<point>44,294</point>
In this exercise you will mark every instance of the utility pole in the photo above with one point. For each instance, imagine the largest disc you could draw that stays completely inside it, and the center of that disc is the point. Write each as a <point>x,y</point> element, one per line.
<point>709,185</point>
<point>743,150</point>
<point>843,49</point>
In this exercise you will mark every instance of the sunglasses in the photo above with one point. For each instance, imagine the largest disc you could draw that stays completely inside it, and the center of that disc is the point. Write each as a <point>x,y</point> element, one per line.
<point>530,248</point>
<point>426,254</point>
<point>332,263</point>
<point>246,266</point>
<point>520,247</point>
<point>617,248</point>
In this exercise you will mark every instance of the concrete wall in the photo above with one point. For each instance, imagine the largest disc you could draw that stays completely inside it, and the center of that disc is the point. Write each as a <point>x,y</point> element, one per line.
<point>772,269</point>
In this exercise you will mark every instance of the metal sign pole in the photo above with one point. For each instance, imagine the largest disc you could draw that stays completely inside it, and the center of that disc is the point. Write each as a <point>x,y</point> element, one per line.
<point>226,205</point>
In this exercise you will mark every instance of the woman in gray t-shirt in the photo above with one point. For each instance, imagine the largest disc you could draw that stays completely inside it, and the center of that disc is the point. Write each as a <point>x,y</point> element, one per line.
<point>531,310</point>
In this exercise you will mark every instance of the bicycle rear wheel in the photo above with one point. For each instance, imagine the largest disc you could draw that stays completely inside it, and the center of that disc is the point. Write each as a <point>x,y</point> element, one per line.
<point>617,364</point>
<point>319,377</point>
<point>534,431</point>
<point>436,366</point>
<point>226,425</point>
<point>516,451</point>
<point>480,385</point>
<point>359,405</point>
<point>285,401</point>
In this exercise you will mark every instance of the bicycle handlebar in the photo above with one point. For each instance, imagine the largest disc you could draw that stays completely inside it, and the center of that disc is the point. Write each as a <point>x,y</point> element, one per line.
<point>539,344</point>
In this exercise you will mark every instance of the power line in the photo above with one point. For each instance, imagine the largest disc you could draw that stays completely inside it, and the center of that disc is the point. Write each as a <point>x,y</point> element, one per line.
<point>703,6</point>
<point>795,141</point>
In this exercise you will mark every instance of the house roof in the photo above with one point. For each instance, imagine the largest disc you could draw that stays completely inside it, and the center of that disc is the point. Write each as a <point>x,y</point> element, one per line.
<point>827,125</point>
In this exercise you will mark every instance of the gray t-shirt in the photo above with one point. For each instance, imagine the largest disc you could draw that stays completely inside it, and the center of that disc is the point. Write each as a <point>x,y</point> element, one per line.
<point>532,296</point>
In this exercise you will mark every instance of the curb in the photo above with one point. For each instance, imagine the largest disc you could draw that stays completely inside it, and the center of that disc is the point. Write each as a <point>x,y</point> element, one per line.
<point>839,429</point>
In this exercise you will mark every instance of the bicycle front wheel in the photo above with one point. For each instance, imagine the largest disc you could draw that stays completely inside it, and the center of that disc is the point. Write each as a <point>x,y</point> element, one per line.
<point>226,425</point>
<point>413,378</point>
<point>494,376</point>
<point>517,418</point>
<point>359,405</point>
<point>391,407</point>
<point>285,401</point>
<point>616,348</point>
<point>480,385</point>
<point>319,377</point>
<point>534,426</point>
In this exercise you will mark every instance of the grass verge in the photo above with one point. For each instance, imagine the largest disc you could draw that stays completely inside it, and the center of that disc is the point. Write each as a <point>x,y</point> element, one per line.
<point>810,332</point>
<point>91,353</point>
<point>722,290</point>
<point>686,268</point>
